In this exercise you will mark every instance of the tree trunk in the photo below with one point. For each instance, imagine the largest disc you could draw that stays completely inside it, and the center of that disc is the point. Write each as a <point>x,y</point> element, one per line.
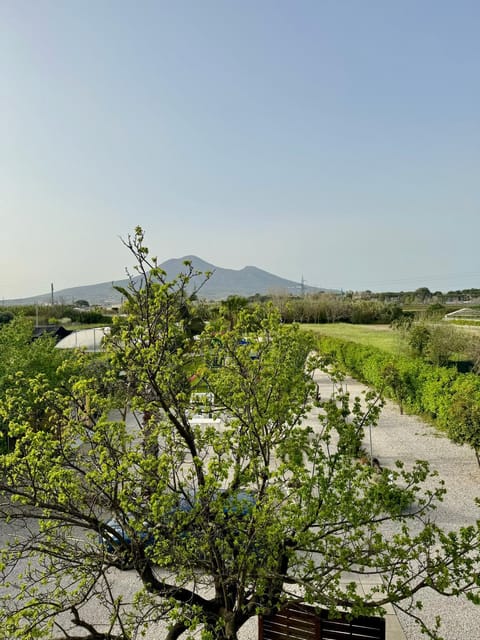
<point>227,632</point>
<point>224,628</point>
<point>176,631</point>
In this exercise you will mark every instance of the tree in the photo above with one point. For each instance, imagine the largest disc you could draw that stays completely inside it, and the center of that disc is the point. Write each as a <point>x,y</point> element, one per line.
<point>436,343</point>
<point>22,357</point>
<point>464,414</point>
<point>231,307</point>
<point>446,342</point>
<point>419,338</point>
<point>6,317</point>
<point>219,520</point>
<point>473,352</point>
<point>423,294</point>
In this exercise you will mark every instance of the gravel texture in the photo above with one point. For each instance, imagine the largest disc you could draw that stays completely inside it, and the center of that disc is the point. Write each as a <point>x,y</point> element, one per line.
<point>408,438</point>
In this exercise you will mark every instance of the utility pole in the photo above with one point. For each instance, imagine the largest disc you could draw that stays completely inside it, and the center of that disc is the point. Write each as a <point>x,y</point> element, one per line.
<point>51,288</point>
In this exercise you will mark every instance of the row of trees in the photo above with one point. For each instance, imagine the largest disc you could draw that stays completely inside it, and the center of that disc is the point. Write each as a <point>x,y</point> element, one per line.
<point>53,314</point>
<point>365,308</point>
<point>107,449</point>
<point>423,295</point>
<point>333,308</point>
<point>315,309</point>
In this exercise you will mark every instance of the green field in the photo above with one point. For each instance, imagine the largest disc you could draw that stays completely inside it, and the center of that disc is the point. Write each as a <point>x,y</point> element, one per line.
<point>381,336</point>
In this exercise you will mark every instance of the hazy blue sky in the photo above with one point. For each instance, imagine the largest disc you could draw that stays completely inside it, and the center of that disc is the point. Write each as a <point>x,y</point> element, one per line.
<point>338,140</point>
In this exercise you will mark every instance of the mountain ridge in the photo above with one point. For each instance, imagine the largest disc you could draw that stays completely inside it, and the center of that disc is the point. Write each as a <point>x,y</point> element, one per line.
<point>247,281</point>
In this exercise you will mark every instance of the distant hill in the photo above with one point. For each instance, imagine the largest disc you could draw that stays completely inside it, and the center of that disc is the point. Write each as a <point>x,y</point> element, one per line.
<point>243,282</point>
<point>223,283</point>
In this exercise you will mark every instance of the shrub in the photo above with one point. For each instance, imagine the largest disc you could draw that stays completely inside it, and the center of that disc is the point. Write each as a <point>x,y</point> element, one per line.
<point>449,399</point>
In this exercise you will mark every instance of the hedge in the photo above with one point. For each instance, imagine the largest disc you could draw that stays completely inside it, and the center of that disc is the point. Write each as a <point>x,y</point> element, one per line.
<point>448,399</point>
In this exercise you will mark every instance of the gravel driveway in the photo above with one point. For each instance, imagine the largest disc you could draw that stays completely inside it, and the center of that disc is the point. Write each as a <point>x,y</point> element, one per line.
<point>409,439</point>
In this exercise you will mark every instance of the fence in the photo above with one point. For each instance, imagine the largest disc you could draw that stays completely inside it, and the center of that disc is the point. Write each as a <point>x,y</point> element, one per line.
<point>301,622</point>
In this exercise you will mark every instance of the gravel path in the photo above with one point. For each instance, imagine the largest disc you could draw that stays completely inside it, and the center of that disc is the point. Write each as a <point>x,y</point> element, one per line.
<point>409,439</point>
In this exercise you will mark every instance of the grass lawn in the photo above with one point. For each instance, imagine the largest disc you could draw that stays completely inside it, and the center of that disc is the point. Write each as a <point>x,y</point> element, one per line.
<point>375,335</point>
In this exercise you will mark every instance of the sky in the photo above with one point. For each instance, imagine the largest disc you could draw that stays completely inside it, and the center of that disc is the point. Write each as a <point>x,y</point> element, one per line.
<point>338,141</point>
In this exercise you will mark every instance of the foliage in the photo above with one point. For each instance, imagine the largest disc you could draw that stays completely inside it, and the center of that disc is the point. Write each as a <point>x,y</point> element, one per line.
<point>445,343</point>
<point>45,314</point>
<point>440,344</point>
<point>446,397</point>
<point>21,357</point>
<point>118,440</point>
<point>6,317</point>
<point>464,414</point>
<point>466,323</point>
<point>419,339</point>
<point>231,307</point>
<point>473,351</point>
<point>329,308</point>
<point>436,310</point>
<point>18,352</point>
<point>87,316</point>
<point>393,381</point>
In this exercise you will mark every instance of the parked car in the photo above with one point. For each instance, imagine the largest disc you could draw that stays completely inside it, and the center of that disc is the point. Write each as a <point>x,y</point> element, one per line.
<point>117,543</point>
<point>116,538</point>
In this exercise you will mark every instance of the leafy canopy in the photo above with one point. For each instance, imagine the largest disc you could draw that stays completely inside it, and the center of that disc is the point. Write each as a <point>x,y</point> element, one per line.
<point>184,452</point>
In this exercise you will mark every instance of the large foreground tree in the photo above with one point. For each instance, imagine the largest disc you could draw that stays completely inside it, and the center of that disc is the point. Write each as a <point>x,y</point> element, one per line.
<point>183,454</point>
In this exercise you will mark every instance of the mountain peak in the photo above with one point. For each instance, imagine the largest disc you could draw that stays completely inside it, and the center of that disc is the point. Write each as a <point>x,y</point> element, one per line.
<point>248,281</point>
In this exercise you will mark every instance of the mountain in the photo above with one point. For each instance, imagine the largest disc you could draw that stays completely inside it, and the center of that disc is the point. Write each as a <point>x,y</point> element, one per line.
<point>243,282</point>
<point>223,283</point>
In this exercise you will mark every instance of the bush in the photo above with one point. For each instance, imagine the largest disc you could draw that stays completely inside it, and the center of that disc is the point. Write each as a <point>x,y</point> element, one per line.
<point>6,317</point>
<point>464,413</point>
<point>449,399</point>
